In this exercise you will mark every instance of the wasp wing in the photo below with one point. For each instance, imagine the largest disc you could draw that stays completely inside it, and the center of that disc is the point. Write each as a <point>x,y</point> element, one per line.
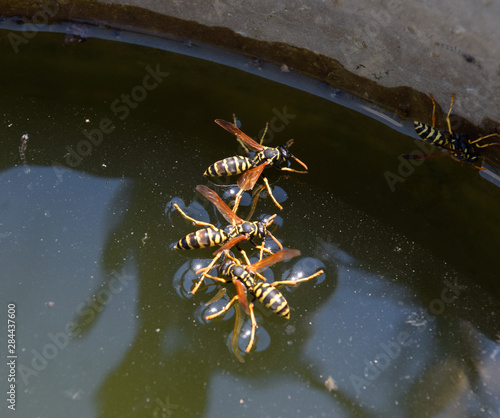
<point>231,243</point>
<point>272,259</point>
<point>222,207</point>
<point>250,177</point>
<point>240,134</point>
<point>242,295</point>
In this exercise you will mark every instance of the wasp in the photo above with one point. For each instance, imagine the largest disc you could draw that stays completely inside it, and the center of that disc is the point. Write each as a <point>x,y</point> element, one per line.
<point>459,147</point>
<point>244,279</point>
<point>273,157</point>
<point>228,237</point>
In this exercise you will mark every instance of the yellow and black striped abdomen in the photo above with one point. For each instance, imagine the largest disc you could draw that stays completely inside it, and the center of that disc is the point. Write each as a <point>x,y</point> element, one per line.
<point>272,299</point>
<point>202,238</point>
<point>229,167</point>
<point>431,135</point>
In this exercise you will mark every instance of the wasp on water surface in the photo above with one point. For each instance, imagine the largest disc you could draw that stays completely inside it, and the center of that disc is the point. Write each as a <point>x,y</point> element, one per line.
<point>244,279</point>
<point>252,168</point>
<point>233,234</point>
<point>459,147</point>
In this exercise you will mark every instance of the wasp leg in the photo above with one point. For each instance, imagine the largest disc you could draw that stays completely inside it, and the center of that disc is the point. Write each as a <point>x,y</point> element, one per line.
<point>262,249</point>
<point>264,134</point>
<point>484,137</point>
<point>217,279</point>
<point>247,151</point>
<point>223,310</point>
<point>293,170</point>
<point>235,259</point>
<point>235,123</point>
<point>295,282</point>
<point>237,200</point>
<point>248,264</point>
<point>245,257</point>
<point>254,326</point>
<point>243,253</point>
<point>203,270</point>
<point>449,113</point>
<point>260,276</point>
<point>207,269</point>
<point>266,182</point>
<point>461,161</point>
<point>194,221</point>
<point>255,198</point>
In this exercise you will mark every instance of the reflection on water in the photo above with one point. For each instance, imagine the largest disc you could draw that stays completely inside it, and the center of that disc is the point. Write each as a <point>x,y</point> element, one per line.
<point>404,320</point>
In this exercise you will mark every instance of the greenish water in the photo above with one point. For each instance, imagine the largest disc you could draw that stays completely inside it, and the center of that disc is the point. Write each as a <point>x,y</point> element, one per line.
<point>405,319</point>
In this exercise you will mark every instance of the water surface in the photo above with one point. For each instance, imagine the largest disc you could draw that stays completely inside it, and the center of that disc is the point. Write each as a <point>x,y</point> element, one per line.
<point>405,320</point>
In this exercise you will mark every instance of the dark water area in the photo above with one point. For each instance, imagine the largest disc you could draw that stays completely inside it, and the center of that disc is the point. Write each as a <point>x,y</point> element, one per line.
<point>404,322</point>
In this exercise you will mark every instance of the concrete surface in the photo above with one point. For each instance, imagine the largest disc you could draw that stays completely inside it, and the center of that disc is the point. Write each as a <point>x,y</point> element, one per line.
<point>392,53</point>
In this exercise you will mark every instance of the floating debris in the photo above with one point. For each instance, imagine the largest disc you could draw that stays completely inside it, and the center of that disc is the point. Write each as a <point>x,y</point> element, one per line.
<point>22,152</point>
<point>330,384</point>
<point>76,34</point>
<point>284,68</point>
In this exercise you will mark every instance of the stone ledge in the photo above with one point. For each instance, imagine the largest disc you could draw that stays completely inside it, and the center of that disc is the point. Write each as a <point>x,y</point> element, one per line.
<point>392,53</point>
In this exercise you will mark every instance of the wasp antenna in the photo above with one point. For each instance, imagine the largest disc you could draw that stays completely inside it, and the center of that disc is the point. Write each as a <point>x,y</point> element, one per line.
<point>300,162</point>
<point>275,240</point>
<point>270,220</point>
<point>205,269</point>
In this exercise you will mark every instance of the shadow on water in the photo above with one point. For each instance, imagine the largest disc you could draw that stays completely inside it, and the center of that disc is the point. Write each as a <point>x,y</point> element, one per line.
<point>405,320</point>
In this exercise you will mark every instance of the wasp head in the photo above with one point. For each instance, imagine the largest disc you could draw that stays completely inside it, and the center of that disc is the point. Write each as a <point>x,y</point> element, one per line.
<point>261,230</point>
<point>284,152</point>
<point>286,155</point>
<point>225,267</point>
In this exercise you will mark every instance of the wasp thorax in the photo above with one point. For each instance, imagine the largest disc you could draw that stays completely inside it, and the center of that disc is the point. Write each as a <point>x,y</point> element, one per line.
<point>238,270</point>
<point>247,228</point>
